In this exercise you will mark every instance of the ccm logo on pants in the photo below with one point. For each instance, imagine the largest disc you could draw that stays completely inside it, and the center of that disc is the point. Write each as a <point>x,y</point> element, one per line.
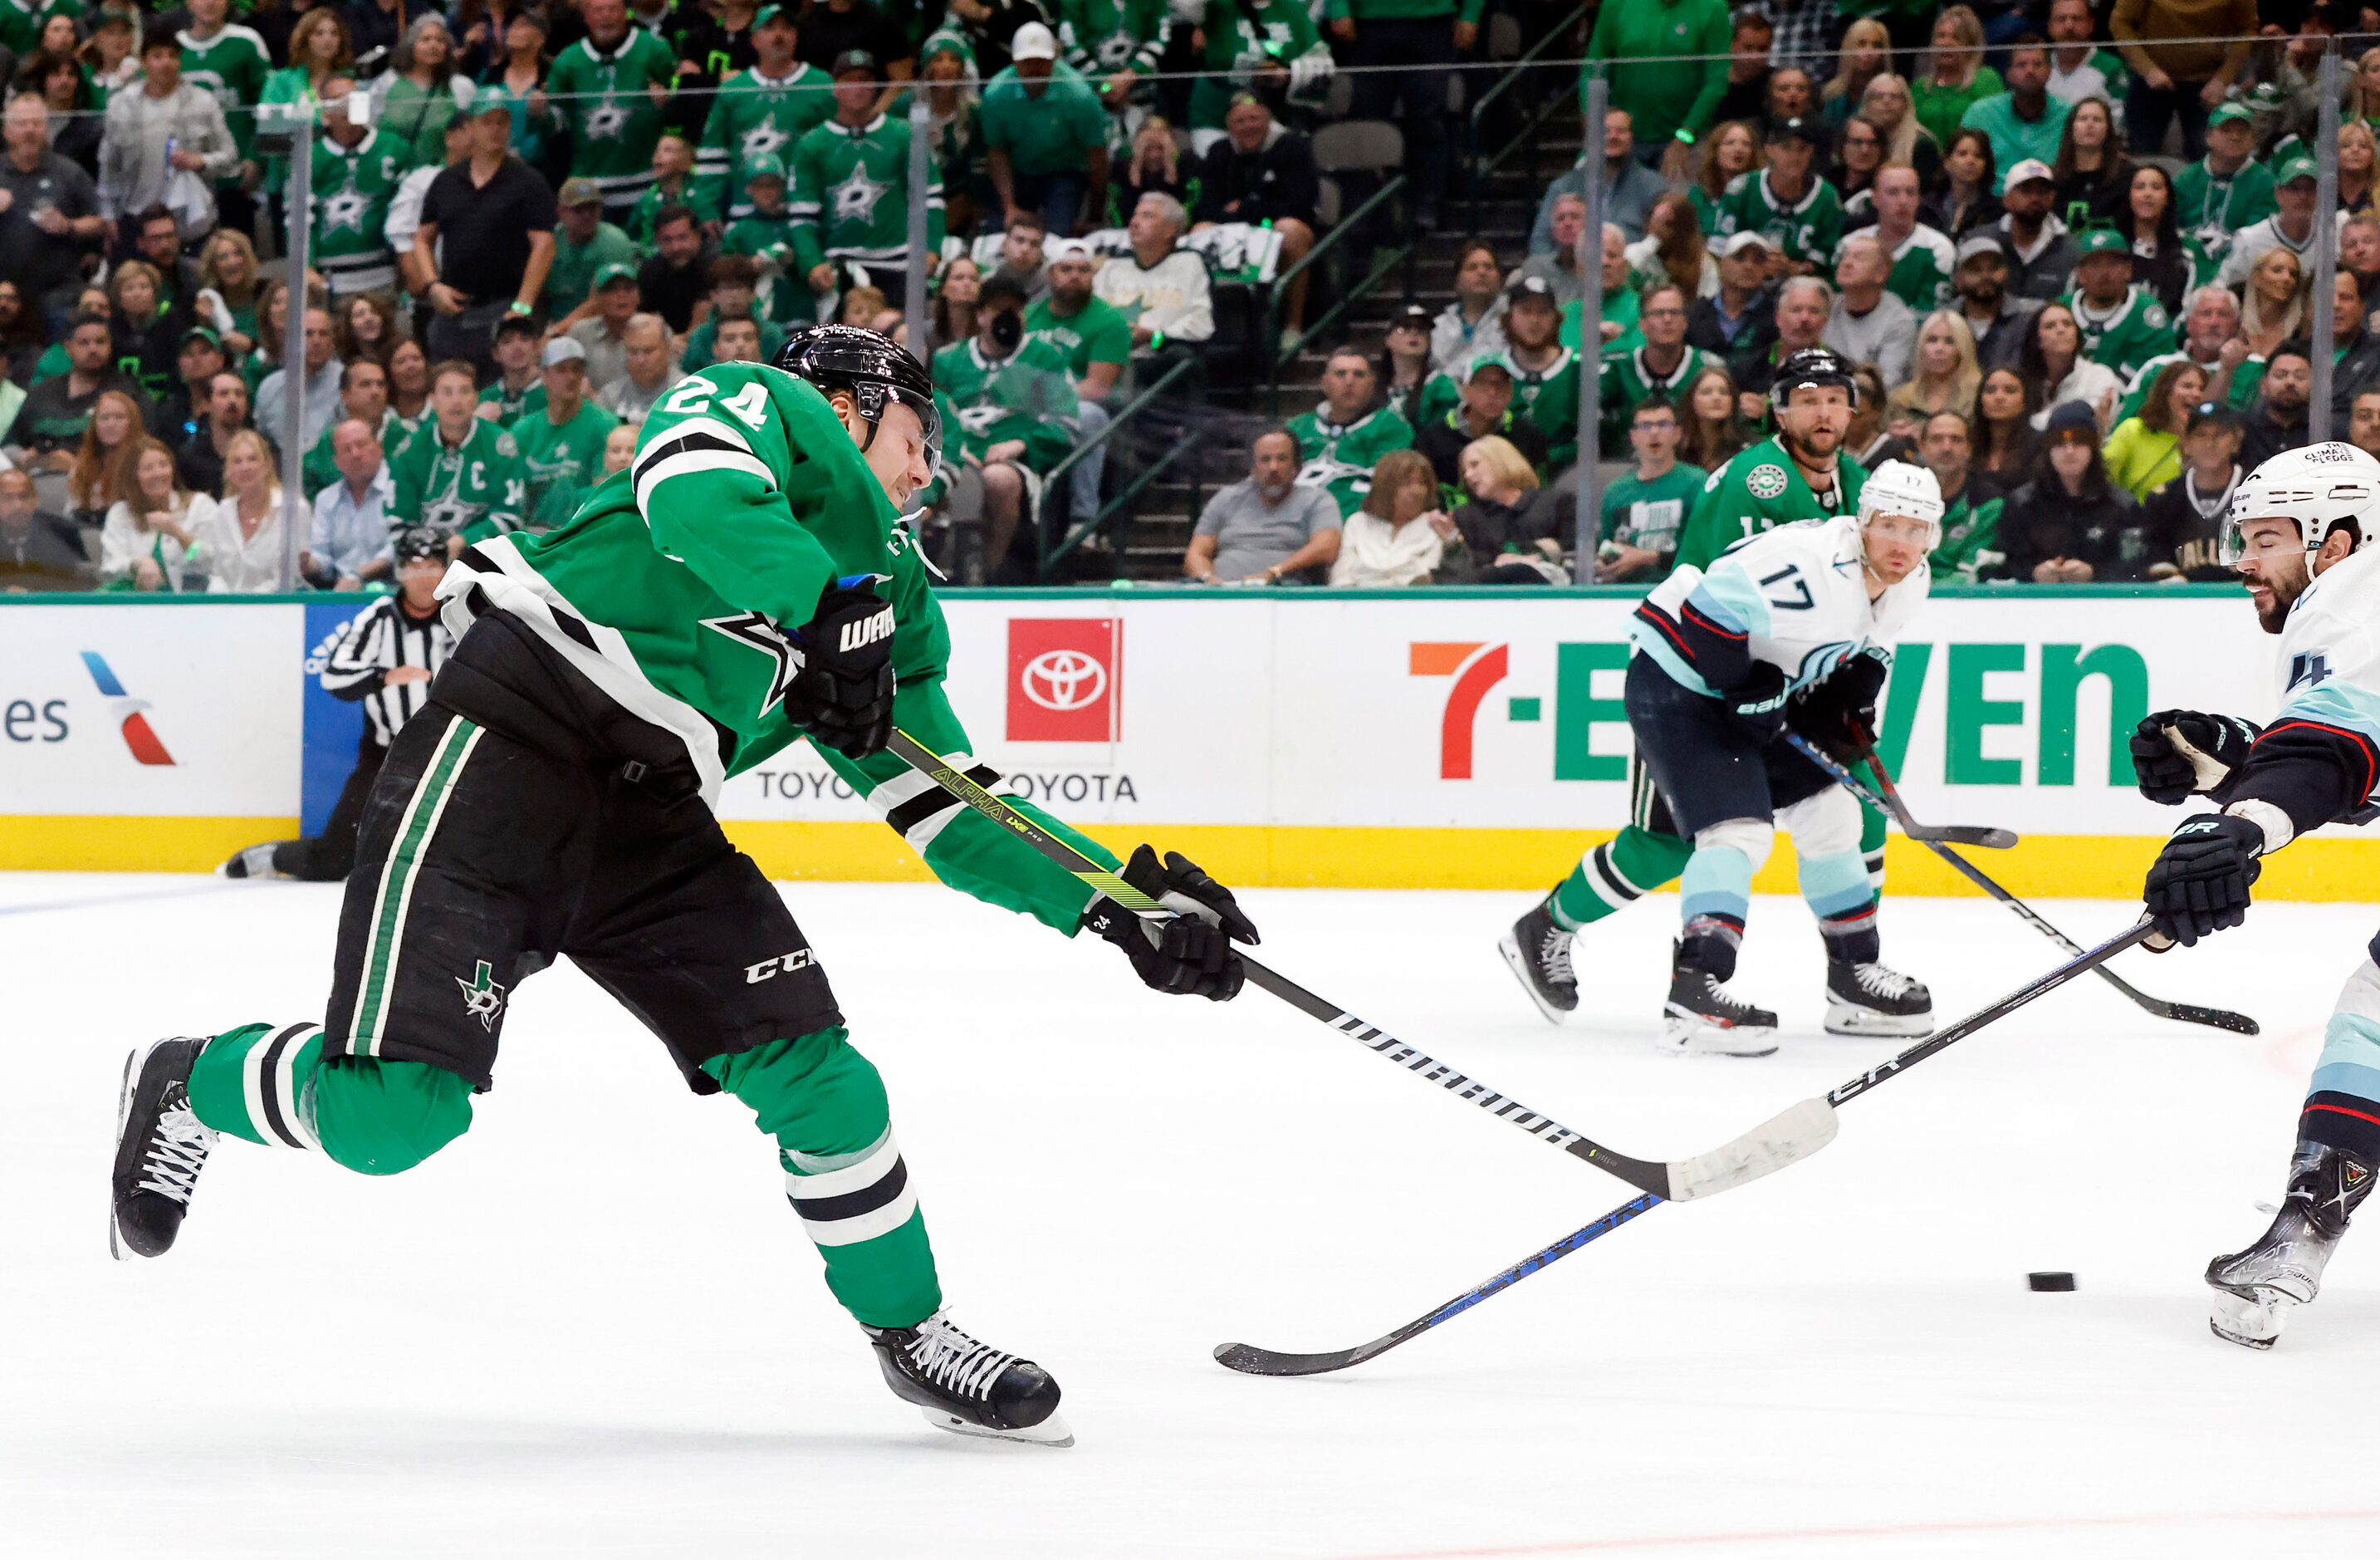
<point>800,958</point>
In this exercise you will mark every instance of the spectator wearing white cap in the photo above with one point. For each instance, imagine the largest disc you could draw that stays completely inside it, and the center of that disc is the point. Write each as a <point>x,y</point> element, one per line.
<point>561,445</point>
<point>1045,135</point>
<point>1995,316</point>
<point>2041,256</point>
<point>1741,318</point>
<point>1096,340</point>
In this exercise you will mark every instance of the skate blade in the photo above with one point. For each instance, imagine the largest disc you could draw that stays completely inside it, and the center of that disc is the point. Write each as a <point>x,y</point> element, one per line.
<point>1052,1432</point>
<point>1510,948</point>
<point>1684,1036</point>
<point>2252,1320</point>
<point>115,1247</point>
<point>1859,1022</point>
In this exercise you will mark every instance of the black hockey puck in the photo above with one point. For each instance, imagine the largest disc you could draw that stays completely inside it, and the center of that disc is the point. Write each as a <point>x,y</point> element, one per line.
<point>2049,1283</point>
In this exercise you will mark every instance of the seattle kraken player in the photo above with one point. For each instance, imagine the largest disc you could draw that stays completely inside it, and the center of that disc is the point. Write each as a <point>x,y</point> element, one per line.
<point>2297,533</point>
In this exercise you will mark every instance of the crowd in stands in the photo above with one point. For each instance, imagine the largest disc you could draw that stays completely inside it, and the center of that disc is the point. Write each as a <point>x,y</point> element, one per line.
<point>2067,243</point>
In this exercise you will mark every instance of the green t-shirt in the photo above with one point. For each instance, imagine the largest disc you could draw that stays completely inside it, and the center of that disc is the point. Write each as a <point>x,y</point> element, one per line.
<point>560,464</point>
<point>1052,133</point>
<point>1940,109</point>
<point>1971,540</point>
<point>1097,333</point>
<point>2014,140</point>
<point>572,279</point>
<point>1651,515</point>
<point>1657,75</point>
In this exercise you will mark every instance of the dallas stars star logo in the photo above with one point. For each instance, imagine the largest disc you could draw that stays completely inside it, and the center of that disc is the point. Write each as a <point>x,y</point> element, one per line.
<point>346,209</point>
<point>763,139</point>
<point>482,998</point>
<point>606,120</point>
<point>449,514</point>
<point>751,629</point>
<point>855,198</point>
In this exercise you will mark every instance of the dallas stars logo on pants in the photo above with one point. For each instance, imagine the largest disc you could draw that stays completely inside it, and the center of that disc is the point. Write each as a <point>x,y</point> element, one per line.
<point>482,998</point>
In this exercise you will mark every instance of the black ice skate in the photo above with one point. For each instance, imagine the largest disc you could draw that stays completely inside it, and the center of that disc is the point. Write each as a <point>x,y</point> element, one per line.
<point>1702,1018</point>
<point>968,1387</point>
<point>2256,1288</point>
<point>1864,999</point>
<point>256,861</point>
<point>1538,951</point>
<point>160,1146</point>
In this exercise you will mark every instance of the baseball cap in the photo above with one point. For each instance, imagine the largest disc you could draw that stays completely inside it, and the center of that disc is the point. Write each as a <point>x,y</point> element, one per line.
<point>2228,114</point>
<point>1975,244</point>
<point>768,165</point>
<point>1736,243</point>
<point>1795,129</point>
<point>2215,414</point>
<point>2027,171</point>
<point>560,350</point>
<point>767,14</point>
<point>2101,240</point>
<point>855,59</point>
<point>615,271</point>
<point>1485,361</point>
<point>494,99</point>
<point>1033,41</point>
<point>519,325</point>
<point>1532,287</point>
<point>201,332</point>
<point>1414,316</point>
<point>579,193</point>
<point>1056,250</point>
<point>2295,167</point>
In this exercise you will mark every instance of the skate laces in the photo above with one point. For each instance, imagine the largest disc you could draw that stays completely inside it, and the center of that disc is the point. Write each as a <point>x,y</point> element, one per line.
<point>177,1150</point>
<point>948,1357</point>
<point>1553,955</point>
<point>1878,980</point>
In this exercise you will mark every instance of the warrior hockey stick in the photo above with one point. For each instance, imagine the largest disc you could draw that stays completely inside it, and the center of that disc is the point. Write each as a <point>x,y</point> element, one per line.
<point>1891,802</point>
<point>1790,1135</point>
<point>1252,1360</point>
<point>2180,1012</point>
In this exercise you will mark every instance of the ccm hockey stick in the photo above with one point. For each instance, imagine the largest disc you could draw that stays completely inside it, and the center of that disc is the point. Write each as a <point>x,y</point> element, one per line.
<point>1249,1359</point>
<point>2180,1012</point>
<point>1790,1135</point>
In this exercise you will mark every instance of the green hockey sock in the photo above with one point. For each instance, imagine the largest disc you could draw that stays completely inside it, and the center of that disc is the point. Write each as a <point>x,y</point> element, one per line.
<point>824,1103</point>
<point>252,1082</point>
<point>267,1084</point>
<point>1871,829</point>
<point>1616,875</point>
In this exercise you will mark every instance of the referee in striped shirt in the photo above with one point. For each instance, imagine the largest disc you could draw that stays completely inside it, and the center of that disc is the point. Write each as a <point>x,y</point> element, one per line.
<point>384,657</point>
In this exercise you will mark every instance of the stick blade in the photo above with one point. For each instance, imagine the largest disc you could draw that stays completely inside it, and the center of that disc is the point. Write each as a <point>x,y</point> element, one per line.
<point>1250,1361</point>
<point>2213,1017</point>
<point>1959,833</point>
<point>1793,1133</point>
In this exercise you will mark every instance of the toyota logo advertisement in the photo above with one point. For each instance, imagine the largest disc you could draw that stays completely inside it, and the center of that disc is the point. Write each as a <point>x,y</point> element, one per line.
<point>1065,679</point>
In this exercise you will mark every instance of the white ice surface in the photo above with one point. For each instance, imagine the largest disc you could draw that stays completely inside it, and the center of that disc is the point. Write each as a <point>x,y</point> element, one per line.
<point>591,1326</point>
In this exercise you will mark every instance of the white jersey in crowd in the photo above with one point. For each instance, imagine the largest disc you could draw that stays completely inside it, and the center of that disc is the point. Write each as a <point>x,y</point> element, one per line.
<point>361,652</point>
<point>1173,296</point>
<point>1798,594</point>
<point>2330,649</point>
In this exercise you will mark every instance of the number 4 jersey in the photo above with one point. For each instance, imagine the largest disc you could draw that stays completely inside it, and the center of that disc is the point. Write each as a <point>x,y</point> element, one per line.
<point>1795,599</point>
<point>2319,761</point>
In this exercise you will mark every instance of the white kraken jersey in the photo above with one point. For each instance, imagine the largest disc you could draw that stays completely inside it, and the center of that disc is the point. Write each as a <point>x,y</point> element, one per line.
<point>2330,650</point>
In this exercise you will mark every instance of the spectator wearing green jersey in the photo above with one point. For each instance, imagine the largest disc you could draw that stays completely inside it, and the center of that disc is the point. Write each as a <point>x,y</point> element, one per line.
<point>2079,69</point>
<point>1270,46</point>
<point>1341,440</point>
<point>459,471</point>
<point>675,184</point>
<point>1096,340</point>
<point>611,88</point>
<point>2024,122</point>
<point>356,173</point>
<point>363,398</point>
<point>233,62</point>
<point>561,445</point>
<point>1644,511</point>
<point>763,111</point>
<point>515,391</point>
<point>1647,49</point>
<point>1787,201</point>
<point>1955,78</point>
<point>2123,323</point>
<point>1404,52</point>
<point>1115,44</point>
<point>766,233</point>
<point>1016,401</point>
<point>734,292</point>
<point>1971,501</point>
<point>2226,191</point>
<point>1045,137</point>
<point>583,244</point>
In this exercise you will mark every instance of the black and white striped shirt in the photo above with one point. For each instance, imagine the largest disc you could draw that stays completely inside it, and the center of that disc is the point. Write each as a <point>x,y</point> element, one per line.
<point>372,644</point>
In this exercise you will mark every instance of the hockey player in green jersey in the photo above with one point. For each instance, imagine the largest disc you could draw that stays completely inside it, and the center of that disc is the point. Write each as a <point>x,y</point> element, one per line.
<point>356,173</point>
<point>459,471</point>
<point>1800,473</point>
<point>1341,440</point>
<point>704,610</point>
<point>851,188</point>
<point>1787,203</point>
<point>2121,322</point>
<point>761,112</point>
<point>561,445</point>
<point>609,89</point>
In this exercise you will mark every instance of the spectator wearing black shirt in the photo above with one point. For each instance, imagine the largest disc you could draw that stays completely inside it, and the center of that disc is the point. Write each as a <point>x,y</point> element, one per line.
<point>376,25</point>
<point>841,27</point>
<point>201,460</point>
<point>160,245</point>
<point>2278,421</point>
<point>1486,408</point>
<point>148,329</point>
<point>2184,519</point>
<point>675,281</point>
<point>39,551</point>
<point>2068,525</point>
<point>197,358</point>
<point>1747,72</point>
<point>496,218</point>
<point>49,425</point>
<point>49,211</point>
<point>1263,172</point>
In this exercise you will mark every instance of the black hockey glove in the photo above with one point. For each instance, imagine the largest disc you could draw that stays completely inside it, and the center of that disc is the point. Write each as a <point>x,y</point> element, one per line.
<point>2167,774</point>
<point>1838,713</point>
<point>1758,707</point>
<point>1191,954</point>
<point>2199,884</point>
<point>842,690</point>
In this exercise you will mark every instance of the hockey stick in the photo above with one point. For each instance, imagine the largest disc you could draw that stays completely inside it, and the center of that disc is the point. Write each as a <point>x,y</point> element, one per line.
<point>2180,1012</point>
<point>1792,1134</point>
<point>1249,1359</point>
<point>1891,802</point>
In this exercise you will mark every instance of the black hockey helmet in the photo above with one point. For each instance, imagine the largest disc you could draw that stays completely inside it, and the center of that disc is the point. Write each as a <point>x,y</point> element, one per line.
<point>420,542</point>
<point>1811,365</point>
<point>866,364</point>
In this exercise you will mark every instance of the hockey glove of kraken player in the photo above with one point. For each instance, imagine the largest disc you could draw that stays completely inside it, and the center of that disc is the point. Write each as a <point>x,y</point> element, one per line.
<point>1837,714</point>
<point>2168,773</point>
<point>843,694</point>
<point>1758,707</point>
<point>1191,954</point>
<point>2199,884</point>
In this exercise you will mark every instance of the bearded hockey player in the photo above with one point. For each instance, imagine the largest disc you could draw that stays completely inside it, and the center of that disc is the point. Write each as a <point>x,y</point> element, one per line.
<point>2300,533</point>
<point>1792,628</point>
<point>703,610</point>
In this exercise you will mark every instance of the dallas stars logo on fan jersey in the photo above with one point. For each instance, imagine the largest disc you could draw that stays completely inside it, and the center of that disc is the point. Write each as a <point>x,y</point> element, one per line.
<point>754,115</point>
<point>1339,458</point>
<point>1807,229</point>
<point>606,98</point>
<point>856,197</point>
<point>846,200</point>
<point>353,187</point>
<point>2127,336</point>
<point>1101,37</point>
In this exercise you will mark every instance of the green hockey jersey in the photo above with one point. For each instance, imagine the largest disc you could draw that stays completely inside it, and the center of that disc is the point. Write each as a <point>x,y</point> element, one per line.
<point>1101,37</point>
<point>231,66</point>
<point>1922,269</point>
<point>559,465</point>
<point>503,406</point>
<point>641,216</point>
<point>1628,383</point>
<point>784,297</point>
<point>353,187</point>
<point>1970,547</point>
<point>605,100</point>
<point>1244,34</point>
<point>1807,229</point>
<point>2127,336</point>
<point>1025,395</point>
<point>1760,490</point>
<point>674,588</point>
<point>2212,207</point>
<point>1549,398</point>
<point>1649,515</point>
<point>21,23</point>
<point>850,195</point>
<point>475,488</point>
<point>1339,458</point>
<point>756,115</point>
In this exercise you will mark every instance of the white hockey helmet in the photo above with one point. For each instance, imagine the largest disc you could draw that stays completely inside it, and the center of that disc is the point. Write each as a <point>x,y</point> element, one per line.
<point>1898,488</point>
<point>2320,486</point>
